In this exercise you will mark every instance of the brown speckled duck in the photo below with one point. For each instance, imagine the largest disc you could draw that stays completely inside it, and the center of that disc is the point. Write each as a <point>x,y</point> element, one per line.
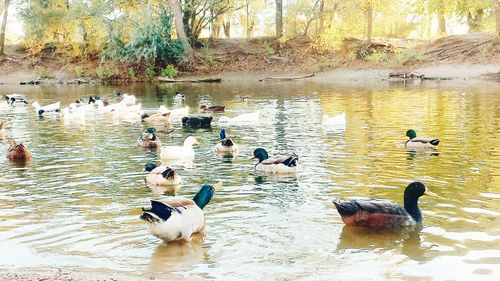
<point>18,152</point>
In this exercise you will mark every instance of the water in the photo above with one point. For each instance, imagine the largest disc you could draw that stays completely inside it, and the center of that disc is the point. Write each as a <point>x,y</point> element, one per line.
<point>77,203</point>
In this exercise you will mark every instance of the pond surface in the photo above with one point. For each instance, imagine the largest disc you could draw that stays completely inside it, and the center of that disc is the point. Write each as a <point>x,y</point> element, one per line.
<point>77,204</point>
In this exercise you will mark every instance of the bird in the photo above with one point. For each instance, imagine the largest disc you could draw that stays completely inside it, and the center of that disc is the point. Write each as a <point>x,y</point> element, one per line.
<point>49,108</point>
<point>18,152</point>
<point>384,214</point>
<point>419,142</point>
<point>177,218</point>
<point>16,100</point>
<point>276,166</point>
<point>149,139</point>
<point>246,119</point>
<point>4,105</point>
<point>156,118</point>
<point>226,144</point>
<point>179,152</point>
<point>195,121</point>
<point>127,99</point>
<point>337,121</point>
<point>178,113</point>
<point>161,175</point>
<point>179,97</point>
<point>214,108</point>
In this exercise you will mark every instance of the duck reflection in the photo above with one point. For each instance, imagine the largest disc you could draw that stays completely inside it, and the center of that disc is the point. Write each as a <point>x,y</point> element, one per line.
<point>368,239</point>
<point>413,153</point>
<point>285,178</point>
<point>165,189</point>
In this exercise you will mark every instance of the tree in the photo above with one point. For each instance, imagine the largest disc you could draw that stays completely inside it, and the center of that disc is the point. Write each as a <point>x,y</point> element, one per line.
<point>497,16</point>
<point>369,22</point>
<point>3,26</point>
<point>279,18</point>
<point>179,29</point>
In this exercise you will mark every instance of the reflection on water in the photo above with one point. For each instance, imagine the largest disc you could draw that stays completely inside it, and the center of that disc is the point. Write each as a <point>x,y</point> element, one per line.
<point>78,201</point>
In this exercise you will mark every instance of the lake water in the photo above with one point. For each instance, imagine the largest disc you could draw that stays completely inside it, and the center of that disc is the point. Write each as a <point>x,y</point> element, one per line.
<point>77,204</point>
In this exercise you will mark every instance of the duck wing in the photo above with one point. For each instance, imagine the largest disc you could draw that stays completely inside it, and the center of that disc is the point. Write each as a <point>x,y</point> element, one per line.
<point>291,161</point>
<point>159,210</point>
<point>425,140</point>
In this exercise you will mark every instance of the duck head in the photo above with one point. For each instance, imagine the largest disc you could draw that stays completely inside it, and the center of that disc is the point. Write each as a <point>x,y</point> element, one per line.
<point>411,134</point>
<point>148,167</point>
<point>261,154</point>
<point>411,195</point>
<point>222,134</point>
<point>151,133</point>
<point>203,197</point>
<point>203,107</point>
<point>190,141</point>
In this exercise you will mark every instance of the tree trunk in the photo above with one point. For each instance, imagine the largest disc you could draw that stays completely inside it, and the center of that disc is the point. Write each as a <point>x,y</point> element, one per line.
<point>248,19</point>
<point>369,23</point>
<point>2,27</point>
<point>497,17</point>
<point>441,24</point>
<point>227,28</point>
<point>475,22</point>
<point>179,28</point>
<point>279,18</point>
<point>321,16</point>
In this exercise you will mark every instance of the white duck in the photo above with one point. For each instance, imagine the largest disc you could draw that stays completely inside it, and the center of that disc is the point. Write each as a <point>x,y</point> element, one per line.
<point>246,119</point>
<point>46,109</point>
<point>226,145</point>
<point>179,152</point>
<point>73,115</point>
<point>337,121</point>
<point>161,175</point>
<point>275,166</point>
<point>128,100</point>
<point>179,218</point>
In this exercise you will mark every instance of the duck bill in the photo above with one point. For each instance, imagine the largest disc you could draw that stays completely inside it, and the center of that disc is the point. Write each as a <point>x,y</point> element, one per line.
<point>218,186</point>
<point>196,141</point>
<point>430,193</point>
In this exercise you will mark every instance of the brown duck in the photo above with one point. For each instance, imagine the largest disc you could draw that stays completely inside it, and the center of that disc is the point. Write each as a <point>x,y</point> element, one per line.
<point>214,108</point>
<point>18,152</point>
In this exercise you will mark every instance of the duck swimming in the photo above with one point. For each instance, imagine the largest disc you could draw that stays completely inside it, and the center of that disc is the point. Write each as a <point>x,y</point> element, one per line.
<point>161,175</point>
<point>185,152</point>
<point>149,139</point>
<point>276,166</point>
<point>226,144</point>
<point>177,218</point>
<point>156,118</point>
<point>419,142</point>
<point>337,121</point>
<point>246,119</point>
<point>49,108</point>
<point>18,152</point>
<point>380,213</point>
<point>214,108</point>
<point>197,121</point>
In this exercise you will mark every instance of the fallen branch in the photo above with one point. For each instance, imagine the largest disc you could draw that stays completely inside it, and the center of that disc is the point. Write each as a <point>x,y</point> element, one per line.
<point>285,78</point>
<point>34,81</point>
<point>200,80</point>
<point>411,75</point>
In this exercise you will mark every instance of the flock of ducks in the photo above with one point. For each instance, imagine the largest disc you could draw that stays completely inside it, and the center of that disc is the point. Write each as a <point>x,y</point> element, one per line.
<point>177,218</point>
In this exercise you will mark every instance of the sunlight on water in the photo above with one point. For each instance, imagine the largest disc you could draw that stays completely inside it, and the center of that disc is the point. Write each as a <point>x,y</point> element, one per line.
<point>77,204</point>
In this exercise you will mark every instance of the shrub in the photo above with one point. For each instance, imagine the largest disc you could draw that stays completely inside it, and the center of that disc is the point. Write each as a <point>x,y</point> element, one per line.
<point>169,71</point>
<point>131,72</point>
<point>150,72</point>
<point>102,72</point>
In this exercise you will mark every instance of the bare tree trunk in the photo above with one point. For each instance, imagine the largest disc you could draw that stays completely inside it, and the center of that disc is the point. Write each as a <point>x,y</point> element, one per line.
<point>369,23</point>
<point>321,16</point>
<point>497,17</point>
<point>2,27</point>
<point>475,22</point>
<point>279,18</point>
<point>227,28</point>
<point>441,24</point>
<point>248,19</point>
<point>179,28</point>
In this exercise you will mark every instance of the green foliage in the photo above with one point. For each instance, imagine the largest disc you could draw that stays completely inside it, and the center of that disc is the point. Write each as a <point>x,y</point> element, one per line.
<point>169,71</point>
<point>378,57</point>
<point>102,72</point>
<point>131,72</point>
<point>408,56</point>
<point>150,72</point>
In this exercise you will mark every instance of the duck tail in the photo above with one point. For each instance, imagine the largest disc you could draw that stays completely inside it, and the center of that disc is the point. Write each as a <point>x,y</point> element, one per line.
<point>144,116</point>
<point>227,142</point>
<point>434,142</point>
<point>345,208</point>
<point>158,211</point>
<point>168,174</point>
<point>292,161</point>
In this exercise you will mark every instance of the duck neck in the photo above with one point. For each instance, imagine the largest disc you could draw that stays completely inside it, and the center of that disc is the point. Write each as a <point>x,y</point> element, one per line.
<point>411,206</point>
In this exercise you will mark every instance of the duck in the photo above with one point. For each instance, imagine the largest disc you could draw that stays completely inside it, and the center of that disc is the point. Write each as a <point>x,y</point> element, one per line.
<point>179,97</point>
<point>18,152</point>
<point>420,142</point>
<point>178,218</point>
<point>275,166</point>
<point>149,139</point>
<point>156,118</point>
<point>195,121</point>
<point>49,108</point>
<point>226,144</point>
<point>178,113</point>
<point>4,105</point>
<point>179,152</point>
<point>127,100</point>
<point>161,175</point>
<point>337,121</point>
<point>384,214</point>
<point>246,119</point>
<point>75,115</point>
<point>214,108</point>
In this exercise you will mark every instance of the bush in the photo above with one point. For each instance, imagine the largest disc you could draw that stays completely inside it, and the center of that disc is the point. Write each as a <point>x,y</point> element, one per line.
<point>150,72</point>
<point>131,72</point>
<point>169,71</point>
<point>102,72</point>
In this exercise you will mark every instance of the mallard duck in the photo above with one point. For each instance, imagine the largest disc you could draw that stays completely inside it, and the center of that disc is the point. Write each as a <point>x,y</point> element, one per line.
<point>214,108</point>
<point>197,121</point>
<point>161,175</point>
<point>226,144</point>
<point>18,152</point>
<point>337,121</point>
<point>49,108</point>
<point>275,166</point>
<point>380,213</point>
<point>178,218</point>
<point>246,119</point>
<point>156,118</point>
<point>420,142</point>
<point>16,100</point>
<point>149,139</point>
<point>179,152</point>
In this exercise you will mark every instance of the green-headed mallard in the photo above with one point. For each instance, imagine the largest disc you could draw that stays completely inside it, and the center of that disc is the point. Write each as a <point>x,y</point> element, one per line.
<point>226,144</point>
<point>283,165</point>
<point>149,139</point>
<point>420,142</point>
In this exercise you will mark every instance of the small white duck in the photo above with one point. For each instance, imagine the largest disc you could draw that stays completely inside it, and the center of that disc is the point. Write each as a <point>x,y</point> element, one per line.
<point>276,166</point>
<point>179,152</point>
<point>334,121</point>
<point>177,218</point>
<point>246,119</point>
<point>226,144</point>
<point>46,109</point>
<point>128,100</point>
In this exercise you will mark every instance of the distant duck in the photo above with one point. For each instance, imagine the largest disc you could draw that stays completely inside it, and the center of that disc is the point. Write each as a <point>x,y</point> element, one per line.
<point>16,100</point>
<point>127,99</point>
<point>244,98</point>
<point>53,108</point>
<point>276,166</point>
<point>214,108</point>
<point>383,214</point>
<point>18,152</point>
<point>149,139</point>
<point>178,113</point>
<point>179,97</point>
<point>246,119</point>
<point>337,121</point>
<point>162,175</point>
<point>177,218</point>
<point>74,115</point>
<point>179,152</point>
<point>226,144</point>
<point>157,118</point>
<point>419,142</point>
<point>197,121</point>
